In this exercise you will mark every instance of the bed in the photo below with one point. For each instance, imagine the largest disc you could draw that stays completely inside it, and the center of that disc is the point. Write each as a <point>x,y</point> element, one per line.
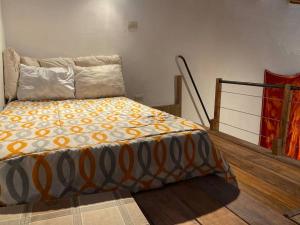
<point>50,149</point>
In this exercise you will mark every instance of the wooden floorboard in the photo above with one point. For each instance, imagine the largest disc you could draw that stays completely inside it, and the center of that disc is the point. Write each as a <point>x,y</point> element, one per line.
<point>267,189</point>
<point>206,200</point>
<point>266,199</point>
<point>294,216</point>
<point>162,208</point>
<point>272,167</point>
<point>245,206</point>
<point>273,181</point>
<point>184,203</point>
<point>288,171</point>
<point>220,215</point>
<point>277,196</point>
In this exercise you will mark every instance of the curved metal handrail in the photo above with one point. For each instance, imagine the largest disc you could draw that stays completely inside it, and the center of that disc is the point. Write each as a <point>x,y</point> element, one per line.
<point>194,85</point>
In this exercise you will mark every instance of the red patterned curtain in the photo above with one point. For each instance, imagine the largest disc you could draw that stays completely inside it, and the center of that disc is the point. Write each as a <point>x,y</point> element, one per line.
<point>271,113</point>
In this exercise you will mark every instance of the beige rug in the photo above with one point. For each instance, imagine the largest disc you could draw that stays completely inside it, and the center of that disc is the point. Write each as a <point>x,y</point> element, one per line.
<point>110,208</point>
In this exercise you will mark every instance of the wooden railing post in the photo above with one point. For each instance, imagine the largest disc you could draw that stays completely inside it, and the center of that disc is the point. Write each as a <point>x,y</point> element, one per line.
<point>178,93</point>
<point>215,125</point>
<point>279,144</point>
<point>178,89</point>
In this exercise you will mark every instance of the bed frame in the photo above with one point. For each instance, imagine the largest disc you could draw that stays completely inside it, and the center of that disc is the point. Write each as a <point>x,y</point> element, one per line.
<point>176,108</point>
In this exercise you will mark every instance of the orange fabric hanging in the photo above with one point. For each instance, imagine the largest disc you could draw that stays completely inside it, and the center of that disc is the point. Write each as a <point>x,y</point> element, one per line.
<point>272,107</point>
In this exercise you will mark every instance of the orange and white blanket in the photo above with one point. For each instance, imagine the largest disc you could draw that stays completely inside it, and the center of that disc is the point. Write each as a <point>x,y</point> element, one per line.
<point>53,148</point>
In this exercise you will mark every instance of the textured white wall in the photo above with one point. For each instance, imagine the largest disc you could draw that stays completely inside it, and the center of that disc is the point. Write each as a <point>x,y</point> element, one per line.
<point>2,44</point>
<point>232,39</point>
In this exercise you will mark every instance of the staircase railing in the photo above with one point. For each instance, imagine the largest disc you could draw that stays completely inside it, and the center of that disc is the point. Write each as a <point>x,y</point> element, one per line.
<point>280,141</point>
<point>194,85</point>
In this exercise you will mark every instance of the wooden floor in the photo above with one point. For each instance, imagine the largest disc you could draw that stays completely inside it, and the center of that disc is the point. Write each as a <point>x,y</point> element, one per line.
<point>267,189</point>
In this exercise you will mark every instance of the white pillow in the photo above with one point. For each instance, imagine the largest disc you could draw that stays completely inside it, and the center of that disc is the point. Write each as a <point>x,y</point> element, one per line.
<point>99,81</point>
<point>37,83</point>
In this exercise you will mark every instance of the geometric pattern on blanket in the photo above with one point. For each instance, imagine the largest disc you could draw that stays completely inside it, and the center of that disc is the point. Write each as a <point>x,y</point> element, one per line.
<point>58,148</point>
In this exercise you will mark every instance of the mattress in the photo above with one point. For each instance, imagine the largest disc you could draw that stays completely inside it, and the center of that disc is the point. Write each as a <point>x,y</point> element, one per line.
<point>50,149</point>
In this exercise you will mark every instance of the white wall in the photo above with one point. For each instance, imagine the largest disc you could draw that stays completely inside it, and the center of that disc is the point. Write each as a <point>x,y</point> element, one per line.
<point>2,44</point>
<point>232,39</point>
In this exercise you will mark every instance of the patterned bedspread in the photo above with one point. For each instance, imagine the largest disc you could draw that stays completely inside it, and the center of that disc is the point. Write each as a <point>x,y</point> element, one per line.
<point>54,148</point>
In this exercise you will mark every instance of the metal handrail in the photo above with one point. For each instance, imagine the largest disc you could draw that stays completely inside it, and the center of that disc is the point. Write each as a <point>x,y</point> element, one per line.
<point>258,84</point>
<point>194,85</point>
<point>280,141</point>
